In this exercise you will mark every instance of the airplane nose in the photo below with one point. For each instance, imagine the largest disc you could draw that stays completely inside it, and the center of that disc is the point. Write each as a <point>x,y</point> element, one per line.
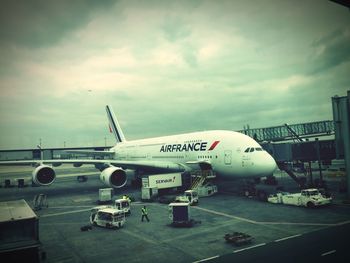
<point>270,164</point>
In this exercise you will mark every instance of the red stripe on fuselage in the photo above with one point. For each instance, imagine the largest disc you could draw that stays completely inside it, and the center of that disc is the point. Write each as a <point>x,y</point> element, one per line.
<point>213,145</point>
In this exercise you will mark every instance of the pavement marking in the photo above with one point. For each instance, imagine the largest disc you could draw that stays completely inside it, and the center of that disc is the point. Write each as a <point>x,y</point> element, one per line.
<point>199,232</point>
<point>285,238</point>
<point>61,224</point>
<point>298,224</point>
<point>138,236</point>
<point>81,199</point>
<point>226,215</point>
<point>270,223</point>
<point>66,213</point>
<point>206,259</point>
<point>70,206</point>
<point>342,223</point>
<point>240,250</point>
<point>328,253</point>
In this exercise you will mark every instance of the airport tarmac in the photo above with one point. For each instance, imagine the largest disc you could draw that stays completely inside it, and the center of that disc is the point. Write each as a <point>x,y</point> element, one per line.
<point>70,202</point>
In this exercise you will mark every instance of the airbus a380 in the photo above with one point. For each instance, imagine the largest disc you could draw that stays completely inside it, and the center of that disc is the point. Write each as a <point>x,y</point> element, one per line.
<point>228,154</point>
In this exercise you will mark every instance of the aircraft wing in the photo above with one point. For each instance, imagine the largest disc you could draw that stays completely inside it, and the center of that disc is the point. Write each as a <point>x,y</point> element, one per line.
<point>145,165</point>
<point>92,153</point>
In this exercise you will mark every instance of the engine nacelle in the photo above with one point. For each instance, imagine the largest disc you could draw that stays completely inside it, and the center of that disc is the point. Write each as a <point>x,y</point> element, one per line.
<point>113,177</point>
<point>43,175</point>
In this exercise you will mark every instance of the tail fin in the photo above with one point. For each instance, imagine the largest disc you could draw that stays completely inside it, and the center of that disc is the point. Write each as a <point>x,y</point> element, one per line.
<point>114,125</point>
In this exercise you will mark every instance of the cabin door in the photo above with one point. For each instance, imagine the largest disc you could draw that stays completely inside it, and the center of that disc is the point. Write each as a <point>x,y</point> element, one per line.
<point>228,157</point>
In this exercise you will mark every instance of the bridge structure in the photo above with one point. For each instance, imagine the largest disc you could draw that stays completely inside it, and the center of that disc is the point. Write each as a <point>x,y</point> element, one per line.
<point>290,144</point>
<point>291,132</point>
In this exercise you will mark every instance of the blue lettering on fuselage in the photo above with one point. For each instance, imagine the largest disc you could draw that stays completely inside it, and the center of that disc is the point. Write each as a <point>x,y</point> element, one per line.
<point>186,147</point>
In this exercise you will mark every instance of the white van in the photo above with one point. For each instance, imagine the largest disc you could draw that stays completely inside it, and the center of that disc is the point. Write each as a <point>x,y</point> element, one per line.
<point>107,217</point>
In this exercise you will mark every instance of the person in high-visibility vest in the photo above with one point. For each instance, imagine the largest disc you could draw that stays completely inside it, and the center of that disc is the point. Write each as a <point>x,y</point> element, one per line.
<point>125,197</point>
<point>144,213</point>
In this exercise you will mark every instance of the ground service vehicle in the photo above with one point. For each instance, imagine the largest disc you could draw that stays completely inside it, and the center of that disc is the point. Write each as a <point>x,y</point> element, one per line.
<point>190,196</point>
<point>105,195</point>
<point>238,238</point>
<point>19,228</point>
<point>207,190</point>
<point>123,204</point>
<point>180,214</point>
<point>106,216</point>
<point>307,197</point>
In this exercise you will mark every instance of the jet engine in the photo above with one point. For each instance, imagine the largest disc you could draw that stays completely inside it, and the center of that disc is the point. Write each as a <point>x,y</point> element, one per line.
<point>43,175</point>
<point>113,177</point>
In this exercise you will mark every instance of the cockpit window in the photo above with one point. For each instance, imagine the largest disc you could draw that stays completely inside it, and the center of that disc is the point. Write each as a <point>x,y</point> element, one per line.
<point>252,149</point>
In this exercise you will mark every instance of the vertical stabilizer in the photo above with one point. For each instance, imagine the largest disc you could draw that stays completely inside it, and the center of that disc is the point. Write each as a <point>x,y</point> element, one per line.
<point>114,125</point>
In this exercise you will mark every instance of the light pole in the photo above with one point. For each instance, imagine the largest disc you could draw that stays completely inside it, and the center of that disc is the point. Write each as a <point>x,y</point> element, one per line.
<point>41,151</point>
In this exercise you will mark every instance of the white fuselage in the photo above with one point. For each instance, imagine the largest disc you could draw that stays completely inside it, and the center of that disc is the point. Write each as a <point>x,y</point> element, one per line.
<point>225,151</point>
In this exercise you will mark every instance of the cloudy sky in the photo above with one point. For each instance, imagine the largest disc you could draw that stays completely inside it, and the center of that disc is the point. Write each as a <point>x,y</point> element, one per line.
<point>166,67</point>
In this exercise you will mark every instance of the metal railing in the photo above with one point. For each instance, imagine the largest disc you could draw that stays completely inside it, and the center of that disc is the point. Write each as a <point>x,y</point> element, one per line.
<point>281,133</point>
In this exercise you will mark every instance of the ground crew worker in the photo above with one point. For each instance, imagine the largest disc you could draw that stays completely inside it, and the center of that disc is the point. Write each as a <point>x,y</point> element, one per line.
<point>144,213</point>
<point>126,197</point>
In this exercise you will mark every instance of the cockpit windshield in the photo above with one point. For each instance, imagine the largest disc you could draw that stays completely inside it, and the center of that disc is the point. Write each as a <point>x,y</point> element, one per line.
<point>252,149</point>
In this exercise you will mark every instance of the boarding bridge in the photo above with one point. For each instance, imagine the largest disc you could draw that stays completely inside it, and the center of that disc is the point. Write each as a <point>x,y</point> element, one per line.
<point>289,132</point>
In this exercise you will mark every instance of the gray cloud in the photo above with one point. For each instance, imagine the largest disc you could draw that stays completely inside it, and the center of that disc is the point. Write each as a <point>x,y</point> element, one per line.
<point>174,29</point>
<point>166,67</point>
<point>41,23</point>
<point>331,50</point>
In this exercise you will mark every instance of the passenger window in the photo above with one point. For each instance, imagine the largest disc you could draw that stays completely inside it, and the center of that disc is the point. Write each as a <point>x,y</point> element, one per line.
<point>251,149</point>
<point>246,150</point>
<point>258,149</point>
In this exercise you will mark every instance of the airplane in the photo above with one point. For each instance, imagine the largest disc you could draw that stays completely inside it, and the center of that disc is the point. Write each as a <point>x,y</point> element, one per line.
<point>228,154</point>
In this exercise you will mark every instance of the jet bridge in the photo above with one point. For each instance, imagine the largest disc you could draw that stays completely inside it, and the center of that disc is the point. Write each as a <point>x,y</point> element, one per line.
<point>341,116</point>
<point>291,131</point>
